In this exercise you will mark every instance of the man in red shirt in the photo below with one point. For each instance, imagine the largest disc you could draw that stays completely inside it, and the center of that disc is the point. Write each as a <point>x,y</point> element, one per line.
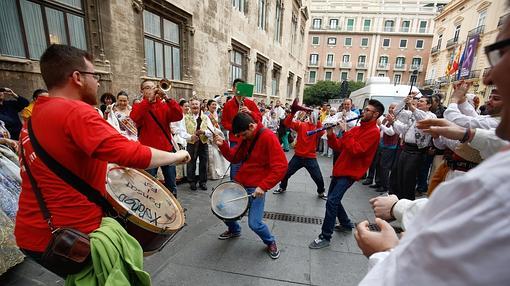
<point>304,155</point>
<point>153,116</point>
<point>230,110</point>
<point>74,134</point>
<point>259,172</point>
<point>358,147</point>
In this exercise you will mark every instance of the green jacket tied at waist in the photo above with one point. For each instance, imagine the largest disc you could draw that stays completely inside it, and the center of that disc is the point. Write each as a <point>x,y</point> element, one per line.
<point>117,259</point>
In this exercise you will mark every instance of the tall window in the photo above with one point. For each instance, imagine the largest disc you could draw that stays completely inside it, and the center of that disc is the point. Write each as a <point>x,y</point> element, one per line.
<point>419,44</point>
<point>383,61</point>
<point>350,25</point>
<point>329,60</point>
<point>346,58</point>
<point>416,63</point>
<point>481,18</point>
<point>237,64</point>
<point>27,32</point>
<point>293,36</point>
<point>275,80</point>
<point>315,40</point>
<point>316,23</point>
<point>423,27</point>
<point>298,86</point>
<point>386,43</point>
<point>333,24</point>
<point>162,47</point>
<point>405,26</point>
<point>362,59</point>
<point>364,42</point>
<point>400,62</point>
<point>396,78</point>
<point>439,40</point>
<point>366,25</point>
<point>260,76</point>
<point>344,76</point>
<point>456,34</point>
<point>327,75</point>
<point>314,59</point>
<point>360,76</point>
<point>290,85</point>
<point>403,43</point>
<point>389,25</point>
<point>348,42</point>
<point>278,21</point>
<point>312,76</point>
<point>240,5</point>
<point>262,15</point>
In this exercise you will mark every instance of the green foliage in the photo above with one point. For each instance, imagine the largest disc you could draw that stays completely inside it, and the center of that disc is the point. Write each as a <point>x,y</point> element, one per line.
<point>324,90</point>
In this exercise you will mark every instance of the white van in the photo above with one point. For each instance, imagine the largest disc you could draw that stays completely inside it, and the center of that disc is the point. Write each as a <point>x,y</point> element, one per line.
<point>379,88</point>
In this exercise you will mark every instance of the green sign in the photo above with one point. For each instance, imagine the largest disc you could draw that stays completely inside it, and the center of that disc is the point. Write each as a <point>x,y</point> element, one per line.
<point>244,89</point>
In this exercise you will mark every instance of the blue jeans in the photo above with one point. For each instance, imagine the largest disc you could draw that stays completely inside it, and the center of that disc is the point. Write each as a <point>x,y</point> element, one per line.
<point>255,214</point>
<point>334,208</point>
<point>311,166</point>
<point>169,175</point>
<point>234,168</point>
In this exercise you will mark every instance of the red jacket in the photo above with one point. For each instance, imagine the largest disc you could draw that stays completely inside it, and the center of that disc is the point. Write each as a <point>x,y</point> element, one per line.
<point>149,132</point>
<point>231,109</point>
<point>357,148</point>
<point>306,146</point>
<point>75,135</point>
<point>266,165</point>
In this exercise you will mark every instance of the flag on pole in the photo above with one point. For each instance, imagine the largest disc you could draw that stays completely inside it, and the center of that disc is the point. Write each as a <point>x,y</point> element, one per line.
<point>456,59</point>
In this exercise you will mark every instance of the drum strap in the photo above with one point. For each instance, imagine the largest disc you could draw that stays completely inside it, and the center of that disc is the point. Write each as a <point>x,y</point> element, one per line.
<point>253,143</point>
<point>164,132</point>
<point>67,176</point>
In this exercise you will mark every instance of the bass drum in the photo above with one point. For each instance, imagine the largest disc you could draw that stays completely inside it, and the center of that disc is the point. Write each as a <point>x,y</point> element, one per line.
<point>152,215</point>
<point>227,202</point>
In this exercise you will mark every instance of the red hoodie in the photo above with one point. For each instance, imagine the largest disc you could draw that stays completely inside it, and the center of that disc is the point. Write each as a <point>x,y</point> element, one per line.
<point>358,147</point>
<point>306,146</point>
<point>231,109</point>
<point>266,165</point>
<point>150,133</point>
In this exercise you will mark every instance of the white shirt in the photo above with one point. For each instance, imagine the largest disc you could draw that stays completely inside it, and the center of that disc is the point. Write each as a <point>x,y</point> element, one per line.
<point>405,125</point>
<point>346,115</point>
<point>461,236</point>
<point>465,115</point>
<point>183,133</point>
<point>280,112</point>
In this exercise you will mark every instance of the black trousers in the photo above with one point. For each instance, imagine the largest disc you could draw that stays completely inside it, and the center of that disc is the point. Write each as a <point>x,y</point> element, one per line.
<point>403,177</point>
<point>384,166</point>
<point>198,151</point>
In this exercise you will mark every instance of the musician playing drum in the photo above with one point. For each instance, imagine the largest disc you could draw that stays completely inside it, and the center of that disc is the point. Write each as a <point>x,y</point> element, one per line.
<point>70,130</point>
<point>230,110</point>
<point>260,170</point>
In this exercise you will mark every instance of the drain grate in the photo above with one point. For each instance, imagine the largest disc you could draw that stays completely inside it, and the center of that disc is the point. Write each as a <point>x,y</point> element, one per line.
<point>292,218</point>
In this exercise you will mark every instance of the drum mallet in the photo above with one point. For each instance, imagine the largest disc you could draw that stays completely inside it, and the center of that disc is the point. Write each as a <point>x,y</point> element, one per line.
<point>221,206</point>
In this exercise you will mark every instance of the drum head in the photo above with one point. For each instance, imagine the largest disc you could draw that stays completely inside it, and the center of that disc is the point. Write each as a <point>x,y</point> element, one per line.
<point>143,200</point>
<point>220,204</point>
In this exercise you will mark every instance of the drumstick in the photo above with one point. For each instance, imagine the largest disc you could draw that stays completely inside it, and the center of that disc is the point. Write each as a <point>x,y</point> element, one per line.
<point>221,205</point>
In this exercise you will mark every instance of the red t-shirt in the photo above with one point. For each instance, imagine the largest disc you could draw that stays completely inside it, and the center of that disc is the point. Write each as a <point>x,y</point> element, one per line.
<point>75,135</point>
<point>306,146</point>
<point>231,109</point>
<point>150,133</point>
<point>266,165</point>
<point>357,149</point>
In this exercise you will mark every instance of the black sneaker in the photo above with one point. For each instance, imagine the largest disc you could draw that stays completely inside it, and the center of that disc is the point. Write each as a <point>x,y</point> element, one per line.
<point>322,196</point>
<point>374,186</point>
<point>367,182</point>
<point>193,187</point>
<point>343,228</point>
<point>203,187</point>
<point>273,251</point>
<point>228,235</point>
<point>279,191</point>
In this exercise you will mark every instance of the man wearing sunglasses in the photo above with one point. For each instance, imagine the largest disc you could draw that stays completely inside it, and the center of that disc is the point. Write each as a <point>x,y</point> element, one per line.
<point>461,235</point>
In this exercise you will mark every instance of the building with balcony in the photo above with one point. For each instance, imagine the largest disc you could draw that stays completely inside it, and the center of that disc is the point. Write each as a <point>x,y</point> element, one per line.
<point>200,46</point>
<point>370,38</point>
<point>461,21</point>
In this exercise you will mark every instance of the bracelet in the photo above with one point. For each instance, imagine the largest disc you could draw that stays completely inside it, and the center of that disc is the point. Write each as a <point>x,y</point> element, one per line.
<point>391,210</point>
<point>466,136</point>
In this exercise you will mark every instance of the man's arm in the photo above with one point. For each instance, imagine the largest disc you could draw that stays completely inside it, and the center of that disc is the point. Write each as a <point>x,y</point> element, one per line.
<point>139,111</point>
<point>174,111</point>
<point>487,142</point>
<point>358,145</point>
<point>290,123</point>
<point>227,116</point>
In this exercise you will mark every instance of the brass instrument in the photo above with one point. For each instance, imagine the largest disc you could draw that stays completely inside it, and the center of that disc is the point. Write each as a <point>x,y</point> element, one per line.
<point>165,85</point>
<point>241,103</point>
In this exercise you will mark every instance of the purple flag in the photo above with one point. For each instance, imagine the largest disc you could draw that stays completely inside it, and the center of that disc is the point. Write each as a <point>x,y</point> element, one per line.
<point>469,55</point>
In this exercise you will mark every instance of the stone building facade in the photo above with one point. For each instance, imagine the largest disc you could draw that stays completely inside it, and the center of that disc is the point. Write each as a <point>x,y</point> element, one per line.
<point>200,46</point>
<point>458,22</point>
<point>354,40</point>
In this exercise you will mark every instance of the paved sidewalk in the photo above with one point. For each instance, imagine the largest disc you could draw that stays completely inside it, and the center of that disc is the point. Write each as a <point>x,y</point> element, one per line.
<point>197,257</point>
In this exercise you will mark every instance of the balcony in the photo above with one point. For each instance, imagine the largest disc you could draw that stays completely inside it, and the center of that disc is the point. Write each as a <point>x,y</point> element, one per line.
<point>428,82</point>
<point>476,31</point>
<point>404,29</point>
<point>418,67</point>
<point>501,20</point>
<point>388,29</point>
<point>315,27</point>
<point>399,67</point>
<point>434,50</point>
<point>422,30</point>
<point>361,66</point>
<point>442,79</point>
<point>486,71</point>
<point>452,43</point>
<point>383,66</point>
<point>472,75</point>
<point>345,65</point>
<point>330,64</point>
<point>313,64</point>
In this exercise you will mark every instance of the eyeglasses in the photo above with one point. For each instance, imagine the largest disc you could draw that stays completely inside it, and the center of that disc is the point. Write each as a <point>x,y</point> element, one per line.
<point>496,51</point>
<point>95,75</point>
<point>148,87</point>
<point>368,110</point>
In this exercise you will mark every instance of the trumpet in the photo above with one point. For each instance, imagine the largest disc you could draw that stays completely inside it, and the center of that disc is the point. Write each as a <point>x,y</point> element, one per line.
<point>165,85</point>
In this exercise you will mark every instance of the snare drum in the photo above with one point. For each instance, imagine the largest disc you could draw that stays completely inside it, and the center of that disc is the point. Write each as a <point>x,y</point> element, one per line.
<point>152,214</point>
<point>221,201</point>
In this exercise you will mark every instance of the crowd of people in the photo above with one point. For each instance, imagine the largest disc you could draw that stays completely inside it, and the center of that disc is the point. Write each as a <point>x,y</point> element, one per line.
<point>456,155</point>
